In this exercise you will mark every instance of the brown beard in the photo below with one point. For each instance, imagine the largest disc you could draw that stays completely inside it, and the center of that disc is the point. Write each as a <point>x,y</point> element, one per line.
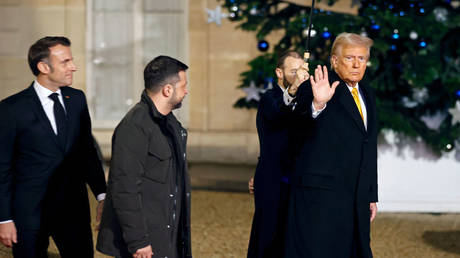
<point>286,83</point>
<point>177,105</point>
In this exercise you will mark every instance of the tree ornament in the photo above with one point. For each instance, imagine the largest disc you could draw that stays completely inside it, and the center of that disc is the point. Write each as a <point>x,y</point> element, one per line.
<point>440,14</point>
<point>252,92</point>
<point>449,147</point>
<point>413,35</point>
<point>216,15</point>
<point>455,112</point>
<point>408,103</point>
<point>434,121</point>
<point>422,44</point>
<point>253,11</point>
<point>326,34</point>
<point>420,95</point>
<point>262,45</point>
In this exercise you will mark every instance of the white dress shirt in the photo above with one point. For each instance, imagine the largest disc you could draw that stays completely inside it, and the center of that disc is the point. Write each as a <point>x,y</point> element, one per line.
<point>47,103</point>
<point>315,113</point>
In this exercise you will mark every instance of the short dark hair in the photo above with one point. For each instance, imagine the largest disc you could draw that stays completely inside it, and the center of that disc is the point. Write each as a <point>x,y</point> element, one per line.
<point>286,54</point>
<point>40,50</point>
<point>161,71</point>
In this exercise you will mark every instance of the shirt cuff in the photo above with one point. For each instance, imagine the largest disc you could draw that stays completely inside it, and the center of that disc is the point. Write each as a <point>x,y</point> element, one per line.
<point>100,197</point>
<point>315,113</point>
<point>6,221</point>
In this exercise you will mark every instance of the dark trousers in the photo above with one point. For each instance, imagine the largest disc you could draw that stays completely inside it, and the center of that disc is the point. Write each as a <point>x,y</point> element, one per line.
<point>71,240</point>
<point>277,248</point>
<point>274,248</point>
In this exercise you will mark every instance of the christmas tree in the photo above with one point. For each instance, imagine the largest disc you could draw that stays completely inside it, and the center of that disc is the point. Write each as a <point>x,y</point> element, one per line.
<point>414,66</point>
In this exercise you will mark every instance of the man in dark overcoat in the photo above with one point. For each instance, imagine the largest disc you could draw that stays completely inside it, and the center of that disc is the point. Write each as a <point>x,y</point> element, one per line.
<point>147,211</point>
<point>47,156</point>
<point>334,186</point>
<point>277,152</point>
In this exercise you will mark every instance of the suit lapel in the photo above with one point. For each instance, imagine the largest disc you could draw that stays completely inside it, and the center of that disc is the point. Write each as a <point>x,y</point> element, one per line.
<point>37,108</point>
<point>69,104</point>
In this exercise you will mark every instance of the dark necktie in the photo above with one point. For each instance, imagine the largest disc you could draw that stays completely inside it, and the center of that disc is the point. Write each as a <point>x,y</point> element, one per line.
<point>60,117</point>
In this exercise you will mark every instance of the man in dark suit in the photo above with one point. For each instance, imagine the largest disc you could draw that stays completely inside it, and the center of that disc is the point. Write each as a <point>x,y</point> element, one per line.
<point>271,181</point>
<point>334,189</point>
<point>47,156</point>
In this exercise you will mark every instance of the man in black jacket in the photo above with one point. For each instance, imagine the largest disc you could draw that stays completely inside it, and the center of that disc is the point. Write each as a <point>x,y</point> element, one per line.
<point>277,155</point>
<point>47,155</point>
<point>147,211</point>
<point>334,189</point>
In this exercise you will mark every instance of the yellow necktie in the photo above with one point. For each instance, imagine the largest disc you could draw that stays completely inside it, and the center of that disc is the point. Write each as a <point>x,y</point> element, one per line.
<point>354,92</point>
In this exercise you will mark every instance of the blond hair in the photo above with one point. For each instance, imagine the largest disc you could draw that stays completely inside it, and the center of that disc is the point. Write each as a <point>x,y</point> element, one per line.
<point>353,39</point>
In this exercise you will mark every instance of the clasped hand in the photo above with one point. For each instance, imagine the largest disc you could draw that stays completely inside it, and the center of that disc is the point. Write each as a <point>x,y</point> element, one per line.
<point>301,76</point>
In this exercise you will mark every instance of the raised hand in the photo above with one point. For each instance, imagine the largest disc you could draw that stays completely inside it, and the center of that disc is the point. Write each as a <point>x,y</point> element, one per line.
<point>322,90</point>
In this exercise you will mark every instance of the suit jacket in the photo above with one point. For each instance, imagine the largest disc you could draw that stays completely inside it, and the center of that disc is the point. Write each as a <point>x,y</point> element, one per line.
<point>335,178</point>
<point>277,151</point>
<point>40,178</point>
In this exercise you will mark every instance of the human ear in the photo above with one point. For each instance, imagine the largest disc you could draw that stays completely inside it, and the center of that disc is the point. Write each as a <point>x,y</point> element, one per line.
<point>334,61</point>
<point>43,67</point>
<point>167,90</point>
<point>279,73</point>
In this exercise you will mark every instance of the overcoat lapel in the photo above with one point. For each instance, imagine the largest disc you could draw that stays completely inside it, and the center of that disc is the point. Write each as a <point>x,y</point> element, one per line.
<point>370,112</point>
<point>37,108</point>
<point>349,104</point>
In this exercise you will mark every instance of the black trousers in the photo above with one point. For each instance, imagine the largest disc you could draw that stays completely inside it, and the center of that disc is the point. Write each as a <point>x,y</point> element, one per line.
<point>72,240</point>
<point>275,249</point>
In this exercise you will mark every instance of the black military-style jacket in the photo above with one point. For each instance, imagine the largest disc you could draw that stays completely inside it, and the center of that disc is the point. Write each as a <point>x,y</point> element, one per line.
<point>148,197</point>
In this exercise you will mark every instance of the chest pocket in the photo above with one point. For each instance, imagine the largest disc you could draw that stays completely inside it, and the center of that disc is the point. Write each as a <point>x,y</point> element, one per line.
<point>158,163</point>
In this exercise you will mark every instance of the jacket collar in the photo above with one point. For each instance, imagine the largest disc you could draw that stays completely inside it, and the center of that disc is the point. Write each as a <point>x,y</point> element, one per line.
<point>154,113</point>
